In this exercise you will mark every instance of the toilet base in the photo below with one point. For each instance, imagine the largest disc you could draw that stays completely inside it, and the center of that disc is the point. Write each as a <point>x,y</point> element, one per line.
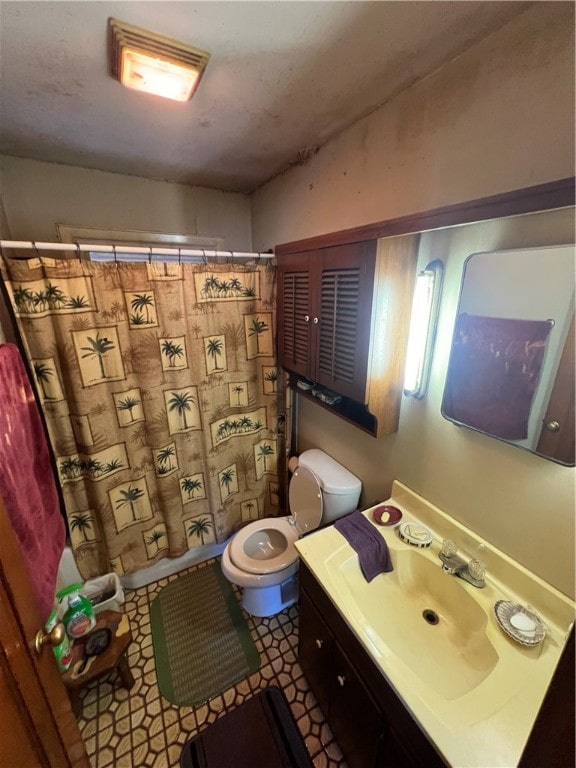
<point>268,601</point>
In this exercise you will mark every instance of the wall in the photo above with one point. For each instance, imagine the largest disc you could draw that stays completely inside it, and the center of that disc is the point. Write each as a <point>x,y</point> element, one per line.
<point>37,196</point>
<point>5,322</point>
<point>497,118</point>
<point>481,125</point>
<point>4,228</point>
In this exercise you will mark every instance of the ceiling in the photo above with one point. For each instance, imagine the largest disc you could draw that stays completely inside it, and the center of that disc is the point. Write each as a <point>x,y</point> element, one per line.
<point>283,78</point>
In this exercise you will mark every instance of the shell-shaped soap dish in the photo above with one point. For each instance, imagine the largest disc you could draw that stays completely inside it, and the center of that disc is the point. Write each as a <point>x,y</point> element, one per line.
<point>520,623</point>
<point>415,534</point>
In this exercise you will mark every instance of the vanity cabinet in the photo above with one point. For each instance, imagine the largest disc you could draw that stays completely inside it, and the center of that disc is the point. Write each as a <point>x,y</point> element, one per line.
<point>341,694</point>
<point>343,321</point>
<point>369,721</point>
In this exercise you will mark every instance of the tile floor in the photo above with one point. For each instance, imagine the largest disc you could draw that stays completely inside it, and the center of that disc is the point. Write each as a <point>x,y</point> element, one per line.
<point>142,729</point>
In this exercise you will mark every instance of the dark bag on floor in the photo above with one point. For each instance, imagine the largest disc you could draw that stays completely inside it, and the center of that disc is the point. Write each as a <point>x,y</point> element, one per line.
<point>260,732</point>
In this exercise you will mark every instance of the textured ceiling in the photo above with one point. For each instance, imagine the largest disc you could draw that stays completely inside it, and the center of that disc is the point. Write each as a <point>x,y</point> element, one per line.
<point>283,78</point>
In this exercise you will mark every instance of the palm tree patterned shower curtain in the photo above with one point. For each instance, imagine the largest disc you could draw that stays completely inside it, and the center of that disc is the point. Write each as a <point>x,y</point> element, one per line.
<point>161,392</point>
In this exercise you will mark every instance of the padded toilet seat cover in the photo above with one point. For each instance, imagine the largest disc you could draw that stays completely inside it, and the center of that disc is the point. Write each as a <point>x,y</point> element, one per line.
<point>261,530</point>
<point>306,505</point>
<point>305,497</point>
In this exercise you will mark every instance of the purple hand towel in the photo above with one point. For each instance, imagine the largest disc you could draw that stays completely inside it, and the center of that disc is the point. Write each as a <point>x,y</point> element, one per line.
<point>364,538</point>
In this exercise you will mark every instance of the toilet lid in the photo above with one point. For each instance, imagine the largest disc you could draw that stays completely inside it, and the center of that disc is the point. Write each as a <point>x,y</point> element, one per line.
<point>305,497</point>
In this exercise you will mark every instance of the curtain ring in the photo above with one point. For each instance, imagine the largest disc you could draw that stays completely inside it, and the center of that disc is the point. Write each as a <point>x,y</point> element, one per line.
<point>115,256</point>
<point>78,252</point>
<point>179,256</point>
<point>36,249</point>
<point>204,257</point>
<point>149,254</point>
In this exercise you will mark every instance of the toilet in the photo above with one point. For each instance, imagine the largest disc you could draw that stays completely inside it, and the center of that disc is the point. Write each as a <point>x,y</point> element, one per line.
<point>262,559</point>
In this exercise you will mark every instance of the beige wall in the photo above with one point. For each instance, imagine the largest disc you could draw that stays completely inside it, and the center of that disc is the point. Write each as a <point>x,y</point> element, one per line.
<point>4,228</point>
<point>498,118</point>
<point>37,196</point>
<point>521,503</point>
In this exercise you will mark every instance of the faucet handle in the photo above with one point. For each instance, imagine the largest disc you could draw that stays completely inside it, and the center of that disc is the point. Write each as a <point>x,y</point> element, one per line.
<point>449,548</point>
<point>477,569</point>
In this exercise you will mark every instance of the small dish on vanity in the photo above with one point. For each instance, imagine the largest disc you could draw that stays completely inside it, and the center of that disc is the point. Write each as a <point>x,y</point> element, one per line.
<point>520,623</point>
<point>386,514</point>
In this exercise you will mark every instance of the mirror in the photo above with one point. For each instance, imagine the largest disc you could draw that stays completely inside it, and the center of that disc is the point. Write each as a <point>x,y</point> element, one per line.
<point>511,368</point>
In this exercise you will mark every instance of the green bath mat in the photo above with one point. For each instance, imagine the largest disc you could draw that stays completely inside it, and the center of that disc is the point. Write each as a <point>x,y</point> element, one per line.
<point>202,643</point>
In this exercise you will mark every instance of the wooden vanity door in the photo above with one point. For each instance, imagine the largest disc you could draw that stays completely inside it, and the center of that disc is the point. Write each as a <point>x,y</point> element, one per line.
<point>315,652</point>
<point>355,718</point>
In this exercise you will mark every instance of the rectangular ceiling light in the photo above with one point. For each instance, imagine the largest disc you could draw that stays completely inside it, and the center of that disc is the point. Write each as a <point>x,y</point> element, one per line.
<point>152,63</point>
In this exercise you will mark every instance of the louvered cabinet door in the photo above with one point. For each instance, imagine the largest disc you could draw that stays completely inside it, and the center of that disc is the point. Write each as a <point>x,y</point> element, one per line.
<point>345,305</point>
<point>295,314</point>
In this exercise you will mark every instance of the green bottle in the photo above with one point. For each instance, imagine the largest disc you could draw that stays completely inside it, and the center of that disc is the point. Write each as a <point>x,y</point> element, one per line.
<point>79,618</point>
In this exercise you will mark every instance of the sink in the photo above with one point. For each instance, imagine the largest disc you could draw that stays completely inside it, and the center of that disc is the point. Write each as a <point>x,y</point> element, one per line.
<point>427,618</point>
<point>474,690</point>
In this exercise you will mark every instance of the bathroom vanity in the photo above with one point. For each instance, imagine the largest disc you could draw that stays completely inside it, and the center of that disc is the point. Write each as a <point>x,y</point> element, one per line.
<point>400,690</point>
<point>369,720</point>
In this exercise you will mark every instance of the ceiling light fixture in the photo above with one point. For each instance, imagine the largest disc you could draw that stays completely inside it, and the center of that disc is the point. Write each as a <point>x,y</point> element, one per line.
<point>152,63</point>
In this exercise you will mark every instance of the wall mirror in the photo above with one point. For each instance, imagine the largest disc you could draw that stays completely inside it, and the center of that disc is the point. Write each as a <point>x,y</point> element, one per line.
<point>511,368</point>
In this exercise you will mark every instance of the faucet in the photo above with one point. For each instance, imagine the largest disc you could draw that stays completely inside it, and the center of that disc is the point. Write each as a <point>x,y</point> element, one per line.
<point>472,571</point>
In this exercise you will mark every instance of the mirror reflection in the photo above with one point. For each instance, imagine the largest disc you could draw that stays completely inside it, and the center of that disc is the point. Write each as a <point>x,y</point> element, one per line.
<point>511,369</point>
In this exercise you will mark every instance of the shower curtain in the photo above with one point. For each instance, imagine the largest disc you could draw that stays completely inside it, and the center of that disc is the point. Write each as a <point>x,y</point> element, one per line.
<point>161,392</point>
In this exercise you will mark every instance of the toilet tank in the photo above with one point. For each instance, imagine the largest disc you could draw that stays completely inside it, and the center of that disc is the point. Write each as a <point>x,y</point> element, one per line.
<point>340,488</point>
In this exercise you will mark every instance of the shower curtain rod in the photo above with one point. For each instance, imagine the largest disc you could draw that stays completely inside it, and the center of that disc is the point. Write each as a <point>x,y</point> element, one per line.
<point>146,251</point>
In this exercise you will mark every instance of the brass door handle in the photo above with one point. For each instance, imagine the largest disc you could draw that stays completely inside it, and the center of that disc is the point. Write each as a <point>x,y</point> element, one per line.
<point>53,638</point>
<point>553,426</point>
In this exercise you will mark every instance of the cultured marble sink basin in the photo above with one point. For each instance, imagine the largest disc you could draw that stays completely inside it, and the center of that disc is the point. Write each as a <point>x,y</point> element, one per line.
<point>428,618</point>
<point>473,689</point>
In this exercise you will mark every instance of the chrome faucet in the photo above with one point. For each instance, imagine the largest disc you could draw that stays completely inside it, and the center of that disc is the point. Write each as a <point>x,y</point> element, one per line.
<point>472,571</point>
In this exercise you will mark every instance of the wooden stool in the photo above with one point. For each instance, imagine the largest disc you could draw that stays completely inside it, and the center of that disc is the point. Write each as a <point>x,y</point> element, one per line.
<point>114,657</point>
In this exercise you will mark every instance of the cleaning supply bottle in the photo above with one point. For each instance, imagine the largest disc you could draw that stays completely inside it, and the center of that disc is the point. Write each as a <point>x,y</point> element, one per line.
<point>62,652</point>
<point>79,618</point>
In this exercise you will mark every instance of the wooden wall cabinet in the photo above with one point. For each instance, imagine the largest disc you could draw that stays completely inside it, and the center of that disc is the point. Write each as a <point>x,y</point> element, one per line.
<point>370,722</point>
<point>343,321</point>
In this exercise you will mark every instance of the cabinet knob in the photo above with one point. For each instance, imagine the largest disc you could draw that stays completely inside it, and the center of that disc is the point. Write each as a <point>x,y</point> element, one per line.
<point>319,643</point>
<point>341,680</point>
<point>315,320</point>
<point>307,318</point>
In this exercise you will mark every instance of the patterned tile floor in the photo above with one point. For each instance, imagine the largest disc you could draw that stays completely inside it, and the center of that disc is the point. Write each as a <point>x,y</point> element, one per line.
<point>141,729</point>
